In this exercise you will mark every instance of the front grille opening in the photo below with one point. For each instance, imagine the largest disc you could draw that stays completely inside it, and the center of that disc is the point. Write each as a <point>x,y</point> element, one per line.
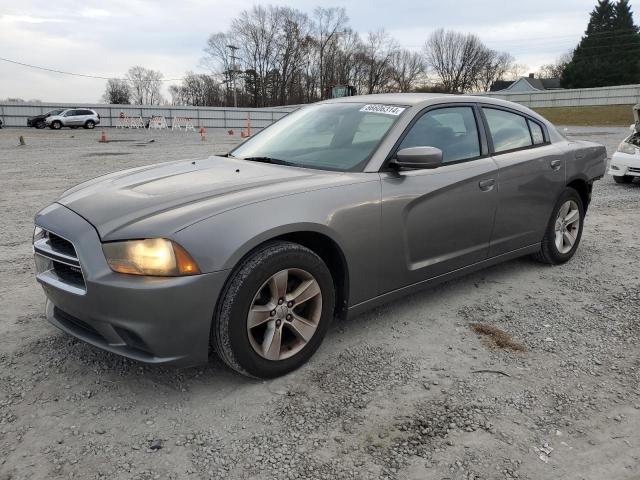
<point>61,245</point>
<point>68,274</point>
<point>74,323</point>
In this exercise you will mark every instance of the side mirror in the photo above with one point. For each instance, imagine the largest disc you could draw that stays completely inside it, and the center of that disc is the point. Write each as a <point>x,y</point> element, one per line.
<point>418,157</point>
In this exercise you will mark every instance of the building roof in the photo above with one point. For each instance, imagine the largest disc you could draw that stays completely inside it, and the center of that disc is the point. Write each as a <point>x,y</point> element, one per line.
<point>500,85</point>
<point>532,82</point>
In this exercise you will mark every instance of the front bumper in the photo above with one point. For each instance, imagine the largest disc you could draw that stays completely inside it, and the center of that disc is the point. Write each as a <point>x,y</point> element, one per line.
<point>150,319</point>
<point>624,164</point>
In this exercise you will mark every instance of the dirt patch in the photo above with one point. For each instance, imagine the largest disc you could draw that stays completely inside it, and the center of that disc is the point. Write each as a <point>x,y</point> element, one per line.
<point>497,337</point>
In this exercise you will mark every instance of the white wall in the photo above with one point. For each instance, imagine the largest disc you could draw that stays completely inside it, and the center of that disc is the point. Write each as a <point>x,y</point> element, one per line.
<point>622,95</point>
<point>15,114</point>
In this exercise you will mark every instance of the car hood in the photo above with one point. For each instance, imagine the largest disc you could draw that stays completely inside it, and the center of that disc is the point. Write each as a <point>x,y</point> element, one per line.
<point>164,198</point>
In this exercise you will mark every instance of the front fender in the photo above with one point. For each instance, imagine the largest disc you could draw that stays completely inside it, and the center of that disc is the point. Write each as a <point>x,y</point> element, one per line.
<point>349,215</point>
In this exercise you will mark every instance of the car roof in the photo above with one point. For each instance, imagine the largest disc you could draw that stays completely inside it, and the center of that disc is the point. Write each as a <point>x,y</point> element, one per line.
<point>391,98</point>
<point>420,100</point>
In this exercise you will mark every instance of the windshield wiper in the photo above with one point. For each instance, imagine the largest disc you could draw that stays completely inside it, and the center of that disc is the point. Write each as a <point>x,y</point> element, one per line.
<point>275,161</point>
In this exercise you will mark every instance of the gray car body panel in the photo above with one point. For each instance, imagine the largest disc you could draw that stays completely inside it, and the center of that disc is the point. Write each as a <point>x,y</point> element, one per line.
<point>396,230</point>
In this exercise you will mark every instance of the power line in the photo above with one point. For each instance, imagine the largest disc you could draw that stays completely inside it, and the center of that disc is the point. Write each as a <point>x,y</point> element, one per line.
<point>97,77</point>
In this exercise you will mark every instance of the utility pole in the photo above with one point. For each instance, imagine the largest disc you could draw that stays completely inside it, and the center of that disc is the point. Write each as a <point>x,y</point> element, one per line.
<point>233,57</point>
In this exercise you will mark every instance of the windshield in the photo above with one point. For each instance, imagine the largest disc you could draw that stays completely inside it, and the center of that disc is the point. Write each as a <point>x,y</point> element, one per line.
<point>333,136</point>
<point>54,112</point>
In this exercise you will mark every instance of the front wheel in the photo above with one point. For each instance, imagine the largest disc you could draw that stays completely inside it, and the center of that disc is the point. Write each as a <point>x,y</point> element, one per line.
<point>564,230</point>
<point>274,311</point>
<point>623,178</point>
<point>57,125</point>
<point>40,124</point>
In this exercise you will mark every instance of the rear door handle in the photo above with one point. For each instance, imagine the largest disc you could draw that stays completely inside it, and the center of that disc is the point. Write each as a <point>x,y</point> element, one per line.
<point>556,164</point>
<point>487,185</point>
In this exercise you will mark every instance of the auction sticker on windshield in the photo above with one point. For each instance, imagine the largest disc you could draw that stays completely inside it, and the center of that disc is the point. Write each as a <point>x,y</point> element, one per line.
<point>386,109</point>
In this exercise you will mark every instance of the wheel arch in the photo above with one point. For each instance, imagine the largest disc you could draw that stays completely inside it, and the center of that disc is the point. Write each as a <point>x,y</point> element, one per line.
<point>321,243</point>
<point>584,188</point>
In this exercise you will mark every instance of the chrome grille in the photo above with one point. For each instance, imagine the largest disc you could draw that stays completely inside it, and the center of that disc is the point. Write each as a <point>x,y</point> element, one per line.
<point>57,262</point>
<point>634,170</point>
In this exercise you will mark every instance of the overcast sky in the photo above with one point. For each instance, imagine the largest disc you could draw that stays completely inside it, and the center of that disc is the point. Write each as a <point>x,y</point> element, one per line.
<point>106,37</point>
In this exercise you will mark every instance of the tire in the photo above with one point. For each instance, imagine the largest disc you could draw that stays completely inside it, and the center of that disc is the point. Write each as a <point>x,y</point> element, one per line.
<point>40,124</point>
<point>550,252</point>
<point>623,178</point>
<point>250,288</point>
<point>57,125</point>
<point>89,124</point>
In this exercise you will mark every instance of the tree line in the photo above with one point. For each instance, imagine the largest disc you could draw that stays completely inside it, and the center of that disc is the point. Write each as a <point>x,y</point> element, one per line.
<point>273,55</point>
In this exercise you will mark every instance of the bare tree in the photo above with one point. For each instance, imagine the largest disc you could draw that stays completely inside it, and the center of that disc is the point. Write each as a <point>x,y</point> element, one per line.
<point>407,68</point>
<point>294,43</point>
<point>459,60</point>
<point>330,22</point>
<point>117,92</point>
<point>495,67</point>
<point>197,90</point>
<point>516,71</point>
<point>554,70</point>
<point>145,85</point>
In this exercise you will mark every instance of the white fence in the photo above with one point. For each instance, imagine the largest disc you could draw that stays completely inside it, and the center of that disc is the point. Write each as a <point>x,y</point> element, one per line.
<point>622,95</point>
<point>16,114</point>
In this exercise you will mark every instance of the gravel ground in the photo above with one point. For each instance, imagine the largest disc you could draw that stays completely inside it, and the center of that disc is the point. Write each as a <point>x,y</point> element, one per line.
<point>407,391</point>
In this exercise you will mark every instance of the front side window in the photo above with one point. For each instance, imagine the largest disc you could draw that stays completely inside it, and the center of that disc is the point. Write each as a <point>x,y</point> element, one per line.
<point>332,136</point>
<point>451,129</point>
<point>509,131</point>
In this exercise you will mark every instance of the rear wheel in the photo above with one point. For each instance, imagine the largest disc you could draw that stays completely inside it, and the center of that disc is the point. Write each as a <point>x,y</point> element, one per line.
<point>623,178</point>
<point>564,230</point>
<point>274,311</point>
<point>89,124</point>
<point>56,125</point>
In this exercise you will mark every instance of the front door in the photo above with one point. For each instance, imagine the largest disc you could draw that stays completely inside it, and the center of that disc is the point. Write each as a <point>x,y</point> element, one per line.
<point>436,221</point>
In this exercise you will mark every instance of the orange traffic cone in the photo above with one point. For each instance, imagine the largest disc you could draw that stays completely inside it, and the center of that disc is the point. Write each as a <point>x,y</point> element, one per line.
<point>202,136</point>
<point>103,138</point>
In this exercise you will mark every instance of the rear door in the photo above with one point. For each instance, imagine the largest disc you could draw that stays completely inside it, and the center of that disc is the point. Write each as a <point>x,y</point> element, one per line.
<point>71,118</point>
<point>436,221</point>
<point>531,176</point>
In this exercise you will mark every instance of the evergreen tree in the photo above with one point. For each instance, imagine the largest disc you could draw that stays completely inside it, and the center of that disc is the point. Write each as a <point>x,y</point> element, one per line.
<point>608,52</point>
<point>627,45</point>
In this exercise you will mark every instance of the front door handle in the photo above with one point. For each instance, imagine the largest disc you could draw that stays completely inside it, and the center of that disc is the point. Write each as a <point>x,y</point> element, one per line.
<point>556,164</point>
<point>487,185</point>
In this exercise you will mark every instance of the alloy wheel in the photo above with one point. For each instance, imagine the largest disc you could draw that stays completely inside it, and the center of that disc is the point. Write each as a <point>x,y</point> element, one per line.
<point>284,314</point>
<point>567,226</point>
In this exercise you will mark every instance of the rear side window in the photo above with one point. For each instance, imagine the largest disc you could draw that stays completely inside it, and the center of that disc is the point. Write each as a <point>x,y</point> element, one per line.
<point>536,133</point>
<point>509,131</point>
<point>451,129</point>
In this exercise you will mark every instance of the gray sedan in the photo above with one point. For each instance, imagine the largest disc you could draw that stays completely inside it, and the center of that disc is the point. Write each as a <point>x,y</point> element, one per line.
<point>338,207</point>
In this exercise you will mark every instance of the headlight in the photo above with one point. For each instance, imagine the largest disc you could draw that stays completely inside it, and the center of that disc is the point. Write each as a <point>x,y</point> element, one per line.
<point>625,147</point>
<point>155,256</point>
